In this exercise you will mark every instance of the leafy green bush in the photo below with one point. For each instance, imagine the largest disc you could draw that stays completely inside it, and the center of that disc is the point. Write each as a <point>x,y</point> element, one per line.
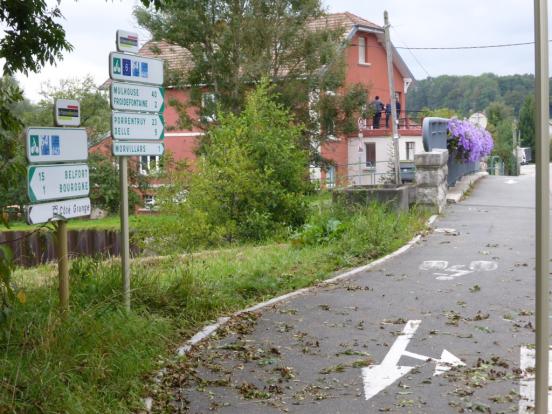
<point>248,185</point>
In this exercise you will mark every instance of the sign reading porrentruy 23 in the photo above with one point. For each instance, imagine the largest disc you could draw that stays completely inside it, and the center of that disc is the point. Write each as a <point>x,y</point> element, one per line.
<point>134,97</point>
<point>56,144</point>
<point>134,126</point>
<point>57,182</point>
<point>133,68</point>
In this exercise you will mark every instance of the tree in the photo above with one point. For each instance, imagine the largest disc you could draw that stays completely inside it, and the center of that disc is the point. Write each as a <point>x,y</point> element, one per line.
<point>527,122</point>
<point>500,125</point>
<point>104,183</point>
<point>94,105</point>
<point>250,183</point>
<point>234,44</point>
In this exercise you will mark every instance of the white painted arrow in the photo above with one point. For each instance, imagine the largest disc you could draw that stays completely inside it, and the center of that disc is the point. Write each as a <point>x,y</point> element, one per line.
<point>378,377</point>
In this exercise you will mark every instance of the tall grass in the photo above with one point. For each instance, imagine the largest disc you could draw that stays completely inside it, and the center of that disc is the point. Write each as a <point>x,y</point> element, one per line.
<point>98,358</point>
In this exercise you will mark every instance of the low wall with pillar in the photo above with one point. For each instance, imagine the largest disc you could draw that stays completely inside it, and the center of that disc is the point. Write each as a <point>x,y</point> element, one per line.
<point>431,178</point>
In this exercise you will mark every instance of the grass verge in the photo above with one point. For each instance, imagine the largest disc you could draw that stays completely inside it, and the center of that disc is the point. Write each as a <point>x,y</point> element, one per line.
<point>98,359</point>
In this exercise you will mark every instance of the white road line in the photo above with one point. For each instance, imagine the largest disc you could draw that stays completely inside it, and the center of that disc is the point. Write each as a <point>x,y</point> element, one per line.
<point>527,381</point>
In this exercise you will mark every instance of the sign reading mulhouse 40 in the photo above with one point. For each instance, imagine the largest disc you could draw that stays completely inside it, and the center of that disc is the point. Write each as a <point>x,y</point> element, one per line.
<point>57,171</point>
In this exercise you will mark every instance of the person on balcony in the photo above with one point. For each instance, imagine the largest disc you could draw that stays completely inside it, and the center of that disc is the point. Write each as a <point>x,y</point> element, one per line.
<point>378,108</point>
<point>387,114</point>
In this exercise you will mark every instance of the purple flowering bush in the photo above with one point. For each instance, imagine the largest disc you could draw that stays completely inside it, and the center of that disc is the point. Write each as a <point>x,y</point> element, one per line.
<point>470,142</point>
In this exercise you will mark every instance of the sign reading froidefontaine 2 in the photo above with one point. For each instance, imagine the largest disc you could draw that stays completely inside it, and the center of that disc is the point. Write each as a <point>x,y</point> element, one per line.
<point>135,126</point>
<point>134,97</point>
<point>56,144</point>
<point>57,181</point>
<point>134,68</point>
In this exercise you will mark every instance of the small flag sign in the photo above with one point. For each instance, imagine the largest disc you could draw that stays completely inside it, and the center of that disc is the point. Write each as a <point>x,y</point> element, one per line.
<point>67,112</point>
<point>127,41</point>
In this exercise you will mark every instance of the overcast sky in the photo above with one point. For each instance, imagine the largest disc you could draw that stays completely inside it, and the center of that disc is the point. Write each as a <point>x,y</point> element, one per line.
<point>91,26</point>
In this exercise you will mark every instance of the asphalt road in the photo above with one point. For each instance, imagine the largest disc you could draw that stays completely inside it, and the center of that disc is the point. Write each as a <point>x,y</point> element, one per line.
<point>467,288</point>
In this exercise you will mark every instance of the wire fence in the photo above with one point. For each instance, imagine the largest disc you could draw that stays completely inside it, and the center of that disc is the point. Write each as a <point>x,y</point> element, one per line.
<point>361,173</point>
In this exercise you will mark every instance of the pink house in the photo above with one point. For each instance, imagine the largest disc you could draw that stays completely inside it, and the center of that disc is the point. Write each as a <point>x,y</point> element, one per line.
<point>359,159</point>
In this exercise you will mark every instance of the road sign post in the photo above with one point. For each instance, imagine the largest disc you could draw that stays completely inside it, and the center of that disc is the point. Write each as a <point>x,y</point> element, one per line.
<point>60,177</point>
<point>137,126</point>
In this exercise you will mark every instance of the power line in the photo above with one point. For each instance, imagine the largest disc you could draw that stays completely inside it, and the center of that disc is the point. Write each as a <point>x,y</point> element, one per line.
<point>413,55</point>
<point>470,47</point>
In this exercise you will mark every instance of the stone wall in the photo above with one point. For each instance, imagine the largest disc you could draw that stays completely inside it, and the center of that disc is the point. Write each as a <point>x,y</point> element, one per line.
<point>431,178</point>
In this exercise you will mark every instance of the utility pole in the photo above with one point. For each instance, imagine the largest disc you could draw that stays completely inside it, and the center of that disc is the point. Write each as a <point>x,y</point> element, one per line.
<point>542,206</point>
<point>391,78</point>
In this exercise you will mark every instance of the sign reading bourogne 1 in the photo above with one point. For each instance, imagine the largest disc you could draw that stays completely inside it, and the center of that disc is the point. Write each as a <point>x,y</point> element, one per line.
<point>134,68</point>
<point>57,181</point>
<point>134,126</point>
<point>61,210</point>
<point>56,144</point>
<point>134,97</point>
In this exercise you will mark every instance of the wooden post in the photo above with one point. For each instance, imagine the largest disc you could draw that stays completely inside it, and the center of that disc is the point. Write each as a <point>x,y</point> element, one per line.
<point>63,265</point>
<point>391,79</point>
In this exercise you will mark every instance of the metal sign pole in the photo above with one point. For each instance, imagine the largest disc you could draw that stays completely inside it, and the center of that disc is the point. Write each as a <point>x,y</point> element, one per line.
<point>125,248</point>
<point>391,78</point>
<point>542,206</point>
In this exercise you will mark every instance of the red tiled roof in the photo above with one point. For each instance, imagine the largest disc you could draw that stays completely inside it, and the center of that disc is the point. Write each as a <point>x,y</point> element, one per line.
<point>177,57</point>
<point>336,20</point>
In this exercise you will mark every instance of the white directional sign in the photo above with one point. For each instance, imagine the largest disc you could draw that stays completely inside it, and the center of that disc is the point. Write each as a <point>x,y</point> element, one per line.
<point>56,144</point>
<point>134,97</point>
<point>58,210</point>
<point>57,181</point>
<point>127,41</point>
<point>129,149</point>
<point>378,377</point>
<point>133,68</point>
<point>133,126</point>
<point>67,112</point>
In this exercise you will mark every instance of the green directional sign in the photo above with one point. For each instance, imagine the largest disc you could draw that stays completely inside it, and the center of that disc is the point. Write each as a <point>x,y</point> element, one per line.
<point>57,181</point>
<point>134,97</point>
<point>134,126</point>
<point>134,148</point>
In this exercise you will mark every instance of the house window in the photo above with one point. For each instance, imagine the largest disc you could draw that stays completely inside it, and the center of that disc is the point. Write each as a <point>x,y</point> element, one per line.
<point>149,164</point>
<point>330,177</point>
<point>410,148</point>
<point>149,201</point>
<point>208,107</point>
<point>370,154</point>
<point>362,50</point>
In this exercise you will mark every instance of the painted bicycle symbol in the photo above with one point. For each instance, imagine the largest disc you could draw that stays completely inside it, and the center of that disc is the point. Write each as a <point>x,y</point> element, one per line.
<point>443,271</point>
